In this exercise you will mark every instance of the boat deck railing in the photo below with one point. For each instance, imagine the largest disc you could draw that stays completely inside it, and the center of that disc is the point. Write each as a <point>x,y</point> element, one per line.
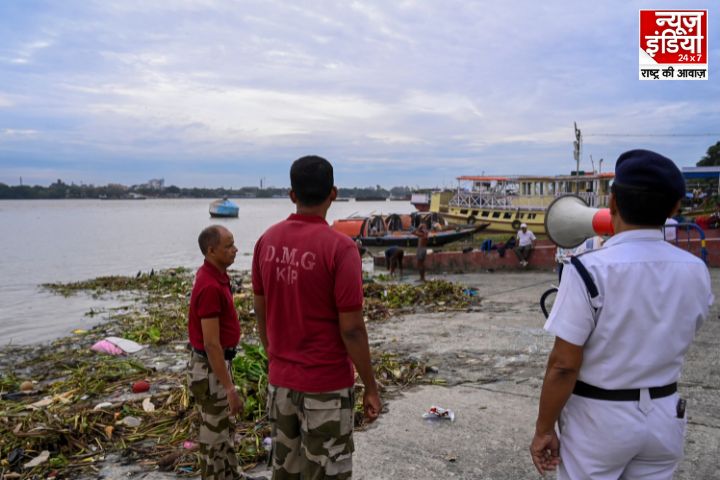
<point>594,200</point>
<point>480,200</point>
<point>526,202</point>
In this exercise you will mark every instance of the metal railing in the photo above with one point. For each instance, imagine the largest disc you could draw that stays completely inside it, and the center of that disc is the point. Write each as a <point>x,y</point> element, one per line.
<point>592,199</point>
<point>480,200</point>
<point>465,199</point>
<point>686,227</point>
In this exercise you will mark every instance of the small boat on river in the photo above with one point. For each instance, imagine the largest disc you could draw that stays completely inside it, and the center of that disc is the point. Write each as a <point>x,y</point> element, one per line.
<point>224,209</point>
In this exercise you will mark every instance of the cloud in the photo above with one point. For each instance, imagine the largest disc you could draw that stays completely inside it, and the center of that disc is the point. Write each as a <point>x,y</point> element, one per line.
<point>25,53</point>
<point>5,101</point>
<point>391,90</point>
<point>11,132</point>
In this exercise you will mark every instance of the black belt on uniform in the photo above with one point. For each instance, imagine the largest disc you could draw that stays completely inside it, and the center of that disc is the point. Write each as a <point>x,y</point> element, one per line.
<point>589,391</point>
<point>229,353</point>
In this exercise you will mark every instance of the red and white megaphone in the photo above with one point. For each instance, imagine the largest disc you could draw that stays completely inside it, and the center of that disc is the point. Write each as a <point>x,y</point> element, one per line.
<point>569,221</point>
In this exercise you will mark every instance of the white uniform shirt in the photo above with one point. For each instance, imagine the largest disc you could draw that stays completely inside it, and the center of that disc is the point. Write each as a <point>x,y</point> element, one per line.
<point>562,255</point>
<point>671,232</point>
<point>652,299</point>
<point>525,238</point>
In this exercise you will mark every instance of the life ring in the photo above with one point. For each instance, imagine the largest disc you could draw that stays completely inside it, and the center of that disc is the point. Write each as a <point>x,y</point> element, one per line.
<point>516,224</point>
<point>471,220</point>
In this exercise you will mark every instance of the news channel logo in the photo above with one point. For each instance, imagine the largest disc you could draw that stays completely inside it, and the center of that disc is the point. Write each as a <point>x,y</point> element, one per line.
<point>673,45</point>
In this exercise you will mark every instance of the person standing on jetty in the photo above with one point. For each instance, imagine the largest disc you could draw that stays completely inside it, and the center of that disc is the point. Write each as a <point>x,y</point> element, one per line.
<point>214,331</point>
<point>394,260</point>
<point>624,317</point>
<point>308,301</point>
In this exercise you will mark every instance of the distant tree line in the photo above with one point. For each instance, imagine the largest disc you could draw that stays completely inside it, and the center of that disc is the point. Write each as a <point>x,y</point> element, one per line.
<point>60,189</point>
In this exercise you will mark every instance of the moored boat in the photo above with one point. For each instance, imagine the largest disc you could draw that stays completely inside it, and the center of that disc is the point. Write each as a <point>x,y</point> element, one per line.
<point>358,226</point>
<point>371,198</point>
<point>435,239</point>
<point>397,229</point>
<point>508,202</point>
<point>224,209</point>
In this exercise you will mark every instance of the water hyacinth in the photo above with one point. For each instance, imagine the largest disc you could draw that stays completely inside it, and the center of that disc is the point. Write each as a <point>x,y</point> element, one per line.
<point>82,407</point>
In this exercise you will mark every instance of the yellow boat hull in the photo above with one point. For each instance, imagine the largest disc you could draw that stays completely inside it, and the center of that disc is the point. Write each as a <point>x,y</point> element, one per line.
<point>501,221</point>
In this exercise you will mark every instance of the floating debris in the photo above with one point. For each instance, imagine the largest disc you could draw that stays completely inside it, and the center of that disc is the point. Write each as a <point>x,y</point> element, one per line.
<point>37,461</point>
<point>140,386</point>
<point>439,413</point>
<point>148,406</point>
<point>80,407</point>
<point>432,295</point>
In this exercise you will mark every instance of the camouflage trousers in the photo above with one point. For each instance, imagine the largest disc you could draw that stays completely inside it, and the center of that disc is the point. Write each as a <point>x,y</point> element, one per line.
<point>311,434</point>
<point>217,451</point>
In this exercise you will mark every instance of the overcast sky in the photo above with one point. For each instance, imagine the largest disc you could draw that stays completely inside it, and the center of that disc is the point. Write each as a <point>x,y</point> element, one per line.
<point>223,93</point>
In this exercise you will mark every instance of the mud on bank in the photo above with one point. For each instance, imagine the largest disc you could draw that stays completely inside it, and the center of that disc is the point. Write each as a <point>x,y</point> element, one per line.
<point>64,408</point>
<point>485,360</point>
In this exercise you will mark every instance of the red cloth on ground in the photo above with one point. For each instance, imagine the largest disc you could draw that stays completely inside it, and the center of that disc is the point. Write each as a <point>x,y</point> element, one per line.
<point>308,274</point>
<point>211,297</point>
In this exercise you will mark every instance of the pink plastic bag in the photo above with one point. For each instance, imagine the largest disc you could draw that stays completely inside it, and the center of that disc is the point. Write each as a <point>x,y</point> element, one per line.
<point>103,346</point>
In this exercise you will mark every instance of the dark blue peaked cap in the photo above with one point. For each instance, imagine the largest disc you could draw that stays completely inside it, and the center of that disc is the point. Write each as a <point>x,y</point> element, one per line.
<point>649,171</point>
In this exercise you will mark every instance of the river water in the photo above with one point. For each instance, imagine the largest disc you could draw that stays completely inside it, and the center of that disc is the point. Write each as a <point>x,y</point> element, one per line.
<point>68,240</point>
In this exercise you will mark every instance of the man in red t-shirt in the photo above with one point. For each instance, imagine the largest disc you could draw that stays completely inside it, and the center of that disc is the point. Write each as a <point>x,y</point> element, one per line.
<point>307,281</point>
<point>214,332</point>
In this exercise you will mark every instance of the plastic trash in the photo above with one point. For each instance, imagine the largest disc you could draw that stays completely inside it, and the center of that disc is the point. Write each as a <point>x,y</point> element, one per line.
<point>140,386</point>
<point>39,460</point>
<point>15,456</point>
<point>14,396</point>
<point>102,405</point>
<point>148,406</point>
<point>132,422</point>
<point>267,443</point>
<point>439,413</point>
<point>117,346</point>
<point>45,402</point>
<point>189,445</point>
<point>104,346</point>
<point>128,346</point>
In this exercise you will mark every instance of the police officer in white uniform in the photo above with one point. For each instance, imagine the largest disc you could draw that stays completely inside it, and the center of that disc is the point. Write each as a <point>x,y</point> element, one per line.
<point>624,317</point>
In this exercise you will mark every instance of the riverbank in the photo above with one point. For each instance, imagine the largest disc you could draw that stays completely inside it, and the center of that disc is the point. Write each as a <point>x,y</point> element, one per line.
<point>65,409</point>
<point>484,361</point>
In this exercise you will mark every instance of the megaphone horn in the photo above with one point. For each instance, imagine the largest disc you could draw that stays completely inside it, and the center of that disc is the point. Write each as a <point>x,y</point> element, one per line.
<point>569,221</point>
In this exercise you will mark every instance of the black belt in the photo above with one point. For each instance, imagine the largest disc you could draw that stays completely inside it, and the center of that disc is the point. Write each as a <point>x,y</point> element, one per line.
<point>589,391</point>
<point>229,353</point>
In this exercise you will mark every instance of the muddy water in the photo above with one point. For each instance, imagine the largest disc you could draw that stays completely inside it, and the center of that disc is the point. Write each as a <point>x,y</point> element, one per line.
<point>69,240</point>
